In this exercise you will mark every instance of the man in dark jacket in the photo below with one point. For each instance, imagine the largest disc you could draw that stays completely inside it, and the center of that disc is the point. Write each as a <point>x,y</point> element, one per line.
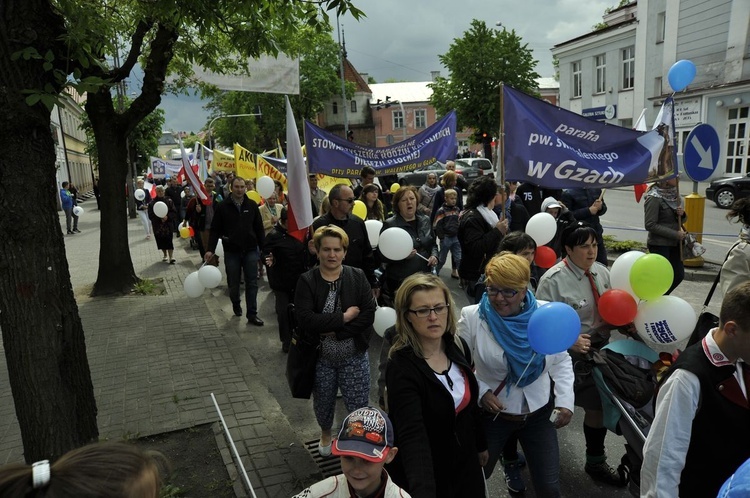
<point>359,254</point>
<point>285,257</point>
<point>237,221</point>
<point>174,192</point>
<point>587,204</point>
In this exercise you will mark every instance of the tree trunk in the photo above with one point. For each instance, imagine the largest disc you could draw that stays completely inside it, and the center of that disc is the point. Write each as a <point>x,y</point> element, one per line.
<point>116,273</point>
<point>42,333</point>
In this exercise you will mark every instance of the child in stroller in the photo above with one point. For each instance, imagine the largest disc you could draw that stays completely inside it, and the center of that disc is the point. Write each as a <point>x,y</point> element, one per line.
<point>623,417</point>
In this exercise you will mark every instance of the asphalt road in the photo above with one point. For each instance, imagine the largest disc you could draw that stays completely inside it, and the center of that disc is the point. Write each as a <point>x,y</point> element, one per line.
<point>624,220</point>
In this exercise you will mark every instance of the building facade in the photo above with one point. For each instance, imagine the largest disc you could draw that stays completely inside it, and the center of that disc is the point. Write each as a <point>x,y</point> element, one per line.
<point>615,73</point>
<point>73,163</point>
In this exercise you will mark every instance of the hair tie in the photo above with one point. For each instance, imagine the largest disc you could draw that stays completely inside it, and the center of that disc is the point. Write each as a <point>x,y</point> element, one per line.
<point>40,474</point>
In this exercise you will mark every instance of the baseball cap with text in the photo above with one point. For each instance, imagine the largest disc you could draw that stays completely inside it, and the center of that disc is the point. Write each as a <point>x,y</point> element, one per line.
<point>365,433</point>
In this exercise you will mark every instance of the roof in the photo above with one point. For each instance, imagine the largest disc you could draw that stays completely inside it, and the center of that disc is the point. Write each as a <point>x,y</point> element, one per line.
<point>351,74</point>
<point>419,91</point>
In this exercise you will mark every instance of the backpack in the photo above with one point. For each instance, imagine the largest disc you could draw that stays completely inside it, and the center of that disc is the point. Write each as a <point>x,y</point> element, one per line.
<point>628,382</point>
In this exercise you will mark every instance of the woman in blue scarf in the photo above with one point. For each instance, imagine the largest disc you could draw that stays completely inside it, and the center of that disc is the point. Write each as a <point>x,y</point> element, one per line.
<point>515,382</point>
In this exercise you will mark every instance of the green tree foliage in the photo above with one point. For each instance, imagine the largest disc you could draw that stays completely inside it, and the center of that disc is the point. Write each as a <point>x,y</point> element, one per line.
<point>478,63</point>
<point>143,141</point>
<point>319,80</point>
<point>94,45</point>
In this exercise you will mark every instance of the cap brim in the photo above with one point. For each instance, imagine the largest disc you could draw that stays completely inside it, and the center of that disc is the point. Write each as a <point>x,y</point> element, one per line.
<point>360,450</point>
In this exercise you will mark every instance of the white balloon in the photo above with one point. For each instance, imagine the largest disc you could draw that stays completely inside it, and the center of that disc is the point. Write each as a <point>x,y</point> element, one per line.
<point>193,285</point>
<point>619,275</point>
<point>395,243</point>
<point>78,210</point>
<point>384,317</point>
<point>139,194</point>
<point>219,249</point>
<point>665,322</point>
<point>209,276</point>
<point>182,194</point>
<point>542,228</point>
<point>265,186</point>
<point>160,209</point>
<point>373,231</point>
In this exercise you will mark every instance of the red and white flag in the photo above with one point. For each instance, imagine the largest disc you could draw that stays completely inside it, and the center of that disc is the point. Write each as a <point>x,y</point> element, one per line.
<point>195,183</point>
<point>300,207</point>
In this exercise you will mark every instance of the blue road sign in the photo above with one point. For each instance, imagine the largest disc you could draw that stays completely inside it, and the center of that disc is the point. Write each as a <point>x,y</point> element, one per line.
<point>702,152</point>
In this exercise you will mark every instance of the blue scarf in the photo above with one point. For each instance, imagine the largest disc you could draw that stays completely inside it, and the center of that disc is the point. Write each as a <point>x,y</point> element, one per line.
<point>510,332</point>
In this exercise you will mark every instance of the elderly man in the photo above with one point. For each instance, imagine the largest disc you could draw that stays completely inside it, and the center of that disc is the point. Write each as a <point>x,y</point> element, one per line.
<point>316,194</point>
<point>700,433</point>
<point>359,253</point>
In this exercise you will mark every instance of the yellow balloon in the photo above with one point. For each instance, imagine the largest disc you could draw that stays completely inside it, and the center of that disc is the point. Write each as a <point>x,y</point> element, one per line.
<point>184,232</point>
<point>359,210</point>
<point>253,195</point>
<point>395,187</point>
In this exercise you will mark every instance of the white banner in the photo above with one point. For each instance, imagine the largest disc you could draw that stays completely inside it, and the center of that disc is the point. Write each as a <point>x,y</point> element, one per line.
<point>266,75</point>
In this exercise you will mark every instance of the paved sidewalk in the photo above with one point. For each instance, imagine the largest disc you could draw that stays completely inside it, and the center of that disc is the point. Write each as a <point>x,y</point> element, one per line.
<point>155,360</point>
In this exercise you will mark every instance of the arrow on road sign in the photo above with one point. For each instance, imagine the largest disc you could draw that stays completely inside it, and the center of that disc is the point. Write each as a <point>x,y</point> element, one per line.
<point>705,154</point>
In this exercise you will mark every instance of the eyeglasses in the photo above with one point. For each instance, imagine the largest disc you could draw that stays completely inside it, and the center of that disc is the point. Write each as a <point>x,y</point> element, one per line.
<point>350,200</point>
<point>425,312</point>
<point>506,293</point>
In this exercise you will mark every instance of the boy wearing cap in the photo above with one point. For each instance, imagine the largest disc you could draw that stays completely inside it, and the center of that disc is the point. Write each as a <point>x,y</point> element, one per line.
<point>365,445</point>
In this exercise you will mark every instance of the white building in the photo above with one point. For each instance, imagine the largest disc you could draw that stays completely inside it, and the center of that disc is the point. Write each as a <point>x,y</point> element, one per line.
<point>614,73</point>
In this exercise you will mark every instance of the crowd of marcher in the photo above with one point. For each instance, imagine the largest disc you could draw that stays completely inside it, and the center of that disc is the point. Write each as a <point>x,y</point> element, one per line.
<point>459,389</point>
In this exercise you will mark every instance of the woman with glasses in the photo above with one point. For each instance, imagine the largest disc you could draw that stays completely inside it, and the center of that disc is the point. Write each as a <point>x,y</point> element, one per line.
<point>432,395</point>
<point>424,255</point>
<point>334,304</point>
<point>516,387</point>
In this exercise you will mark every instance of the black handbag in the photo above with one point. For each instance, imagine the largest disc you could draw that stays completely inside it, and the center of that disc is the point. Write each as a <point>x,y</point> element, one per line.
<point>301,360</point>
<point>707,320</point>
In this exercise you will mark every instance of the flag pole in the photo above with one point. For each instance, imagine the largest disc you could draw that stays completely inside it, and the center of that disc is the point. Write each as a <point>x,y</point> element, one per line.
<point>500,160</point>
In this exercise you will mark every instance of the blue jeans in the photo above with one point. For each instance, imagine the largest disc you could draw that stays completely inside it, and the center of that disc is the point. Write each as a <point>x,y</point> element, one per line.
<point>246,262</point>
<point>454,246</point>
<point>538,438</point>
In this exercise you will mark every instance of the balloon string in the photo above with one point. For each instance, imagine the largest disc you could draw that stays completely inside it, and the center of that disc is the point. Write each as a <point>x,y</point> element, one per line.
<point>519,379</point>
<point>426,259</point>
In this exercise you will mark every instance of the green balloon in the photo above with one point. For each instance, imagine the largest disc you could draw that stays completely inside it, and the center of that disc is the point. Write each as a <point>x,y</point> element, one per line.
<point>651,276</point>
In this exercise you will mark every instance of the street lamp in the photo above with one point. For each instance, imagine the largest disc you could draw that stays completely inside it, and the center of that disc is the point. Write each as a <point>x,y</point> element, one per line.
<point>222,116</point>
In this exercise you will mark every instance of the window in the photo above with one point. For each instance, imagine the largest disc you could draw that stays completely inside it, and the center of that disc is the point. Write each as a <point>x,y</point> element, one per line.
<point>576,69</point>
<point>335,107</point>
<point>354,106</point>
<point>657,86</point>
<point>661,26</point>
<point>420,118</point>
<point>398,120</point>
<point>628,68</point>
<point>600,61</point>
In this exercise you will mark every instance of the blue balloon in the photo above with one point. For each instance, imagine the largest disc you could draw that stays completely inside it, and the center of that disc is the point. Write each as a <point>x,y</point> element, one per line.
<point>738,484</point>
<point>553,328</point>
<point>681,74</point>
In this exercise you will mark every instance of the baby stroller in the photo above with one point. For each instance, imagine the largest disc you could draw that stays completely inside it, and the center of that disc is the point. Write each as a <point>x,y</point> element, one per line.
<point>622,417</point>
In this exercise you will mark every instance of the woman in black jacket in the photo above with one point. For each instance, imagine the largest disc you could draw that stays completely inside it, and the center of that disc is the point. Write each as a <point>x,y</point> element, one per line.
<point>479,231</point>
<point>424,255</point>
<point>432,396</point>
<point>285,257</point>
<point>334,304</point>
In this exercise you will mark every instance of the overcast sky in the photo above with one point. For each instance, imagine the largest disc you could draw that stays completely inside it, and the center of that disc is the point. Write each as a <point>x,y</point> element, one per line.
<point>401,39</point>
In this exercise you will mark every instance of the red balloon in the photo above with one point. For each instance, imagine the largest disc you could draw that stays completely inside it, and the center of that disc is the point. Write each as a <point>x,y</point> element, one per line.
<point>545,257</point>
<point>192,231</point>
<point>617,307</point>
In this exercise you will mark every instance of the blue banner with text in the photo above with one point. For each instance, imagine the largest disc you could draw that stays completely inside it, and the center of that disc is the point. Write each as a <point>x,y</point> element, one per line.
<point>335,156</point>
<point>555,148</point>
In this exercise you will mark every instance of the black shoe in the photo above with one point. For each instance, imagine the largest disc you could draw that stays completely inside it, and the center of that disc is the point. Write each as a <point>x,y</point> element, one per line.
<point>237,309</point>
<point>75,230</point>
<point>254,320</point>
<point>285,347</point>
<point>70,232</point>
<point>602,472</point>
